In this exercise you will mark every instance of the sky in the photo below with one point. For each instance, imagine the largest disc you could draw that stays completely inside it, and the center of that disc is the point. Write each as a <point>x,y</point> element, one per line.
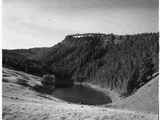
<point>43,23</point>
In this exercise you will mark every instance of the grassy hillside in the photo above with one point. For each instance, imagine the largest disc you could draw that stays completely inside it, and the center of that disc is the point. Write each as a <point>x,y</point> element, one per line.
<point>21,102</point>
<point>122,63</point>
<point>145,99</point>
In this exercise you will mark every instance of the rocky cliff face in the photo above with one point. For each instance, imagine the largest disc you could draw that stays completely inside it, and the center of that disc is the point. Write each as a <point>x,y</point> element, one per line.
<point>121,63</point>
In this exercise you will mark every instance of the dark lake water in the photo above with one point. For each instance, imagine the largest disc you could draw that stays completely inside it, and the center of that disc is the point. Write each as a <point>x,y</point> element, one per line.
<point>81,95</point>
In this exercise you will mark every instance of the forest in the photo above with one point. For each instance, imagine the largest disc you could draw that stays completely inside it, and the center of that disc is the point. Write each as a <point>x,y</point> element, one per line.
<point>122,63</point>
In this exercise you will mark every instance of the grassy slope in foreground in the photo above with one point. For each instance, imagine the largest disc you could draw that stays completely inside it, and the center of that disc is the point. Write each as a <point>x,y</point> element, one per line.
<point>22,103</point>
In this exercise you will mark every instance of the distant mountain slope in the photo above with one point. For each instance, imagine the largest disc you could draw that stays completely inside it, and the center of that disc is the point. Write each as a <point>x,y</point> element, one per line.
<point>145,99</point>
<point>122,63</point>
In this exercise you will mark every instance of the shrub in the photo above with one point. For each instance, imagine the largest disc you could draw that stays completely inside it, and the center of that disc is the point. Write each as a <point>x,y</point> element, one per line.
<point>48,81</point>
<point>23,82</point>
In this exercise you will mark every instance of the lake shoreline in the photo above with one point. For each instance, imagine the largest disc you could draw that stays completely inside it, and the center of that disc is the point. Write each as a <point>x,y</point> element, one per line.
<point>107,92</point>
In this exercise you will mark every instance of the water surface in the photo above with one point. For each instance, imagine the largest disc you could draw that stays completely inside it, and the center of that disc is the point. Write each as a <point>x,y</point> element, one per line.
<point>81,95</point>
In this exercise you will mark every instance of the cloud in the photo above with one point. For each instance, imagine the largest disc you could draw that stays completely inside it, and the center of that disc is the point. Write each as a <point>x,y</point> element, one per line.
<point>30,23</point>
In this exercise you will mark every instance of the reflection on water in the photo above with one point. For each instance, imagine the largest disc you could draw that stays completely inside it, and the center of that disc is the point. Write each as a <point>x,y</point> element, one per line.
<point>82,95</point>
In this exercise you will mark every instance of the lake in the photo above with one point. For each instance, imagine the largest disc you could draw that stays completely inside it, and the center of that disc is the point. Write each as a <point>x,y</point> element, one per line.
<point>81,95</point>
